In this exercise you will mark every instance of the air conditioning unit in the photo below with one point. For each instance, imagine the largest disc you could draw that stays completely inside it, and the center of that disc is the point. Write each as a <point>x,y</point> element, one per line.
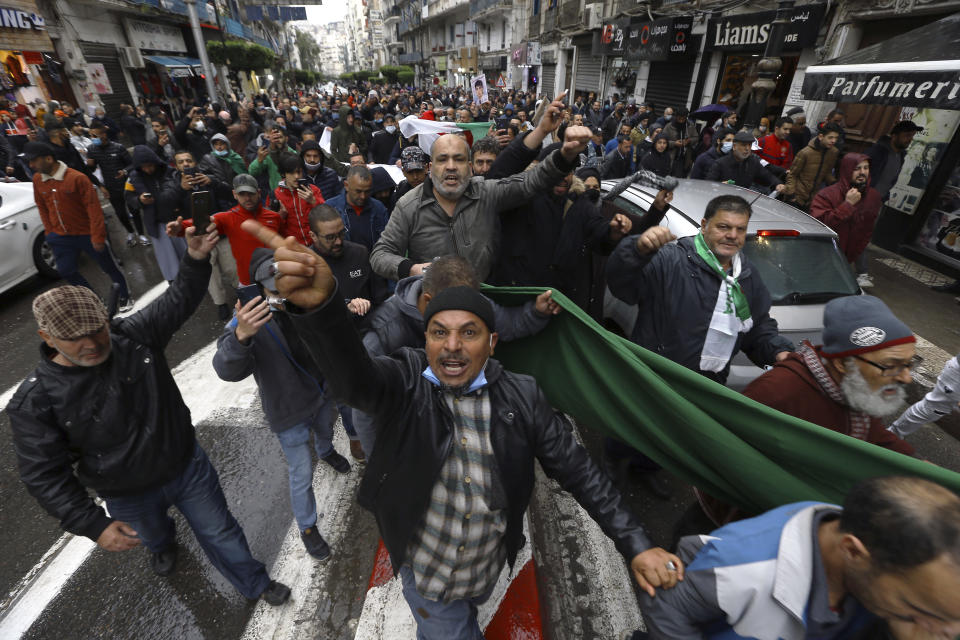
<point>593,15</point>
<point>130,57</point>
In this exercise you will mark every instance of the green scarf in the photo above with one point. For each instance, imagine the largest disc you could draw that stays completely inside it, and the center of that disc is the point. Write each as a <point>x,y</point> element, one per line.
<point>734,292</point>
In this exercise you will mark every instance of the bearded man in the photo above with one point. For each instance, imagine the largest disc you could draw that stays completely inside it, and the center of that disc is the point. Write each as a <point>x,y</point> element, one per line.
<point>854,380</point>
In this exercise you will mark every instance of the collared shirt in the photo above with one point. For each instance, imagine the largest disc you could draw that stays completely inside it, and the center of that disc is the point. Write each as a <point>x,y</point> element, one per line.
<point>822,620</point>
<point>58,174</point>
<point>458,551</point>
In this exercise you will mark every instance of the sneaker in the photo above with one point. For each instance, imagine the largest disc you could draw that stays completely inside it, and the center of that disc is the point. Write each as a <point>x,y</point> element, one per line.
<point>164,562</point>
<point>131,239</point>
<point>125,304</point>
<point>337,461</point>
<point>864,280</point>
<point>314,543</point>
<point>275,594</point>
<point>224,312</point>
<point>145,241</point>
<point>356,450</point>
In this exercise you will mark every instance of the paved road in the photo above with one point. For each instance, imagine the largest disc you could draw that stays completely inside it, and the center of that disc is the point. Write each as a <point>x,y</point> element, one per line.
<point>117,596</point>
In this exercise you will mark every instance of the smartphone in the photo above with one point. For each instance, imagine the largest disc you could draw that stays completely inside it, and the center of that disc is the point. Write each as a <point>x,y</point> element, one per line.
<point>191,171</point>
<point>303,182</point>
<point>147,194</point>
<point>201,208</point>
<point>247,293</point>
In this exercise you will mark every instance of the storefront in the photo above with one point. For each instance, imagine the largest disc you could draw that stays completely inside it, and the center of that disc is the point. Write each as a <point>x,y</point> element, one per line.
<point>589,68</point>
<point>742,38</point>
<point>105,77</point>
<point>667,44</point>
<point>547,87</point>
<point>29,68</point>
<point>167,71</point>
<point>914,75</point>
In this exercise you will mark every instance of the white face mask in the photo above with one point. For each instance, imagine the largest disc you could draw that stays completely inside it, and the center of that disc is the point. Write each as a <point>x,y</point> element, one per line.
<point>312,166</point>
<point>199,126</point>
<point>390,128</point>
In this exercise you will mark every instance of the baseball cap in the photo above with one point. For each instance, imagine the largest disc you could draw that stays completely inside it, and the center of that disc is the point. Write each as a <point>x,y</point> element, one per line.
<point>245,182</point>
<point>413,158</point>
<point>69,312</point>
<point>905,125</point>
<point>33,150</point>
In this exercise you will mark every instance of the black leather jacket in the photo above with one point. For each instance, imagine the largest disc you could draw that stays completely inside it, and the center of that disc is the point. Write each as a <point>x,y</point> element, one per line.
<point>414,437</point>
<point>123,423</point>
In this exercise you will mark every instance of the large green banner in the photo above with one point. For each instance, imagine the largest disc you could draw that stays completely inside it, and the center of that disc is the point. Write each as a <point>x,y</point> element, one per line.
<point>716,439</point>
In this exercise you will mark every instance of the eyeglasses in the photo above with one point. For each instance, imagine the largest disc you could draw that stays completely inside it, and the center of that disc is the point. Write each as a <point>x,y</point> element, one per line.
<point>893,370</point>
<point>330,237</point>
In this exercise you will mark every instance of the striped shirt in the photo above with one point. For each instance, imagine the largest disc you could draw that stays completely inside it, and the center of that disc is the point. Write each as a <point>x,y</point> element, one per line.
<point>457,553</point>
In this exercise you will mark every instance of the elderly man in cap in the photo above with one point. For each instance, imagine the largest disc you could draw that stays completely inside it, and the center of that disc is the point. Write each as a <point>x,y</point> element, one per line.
<point>452,472</point>
<point>851,382</point>
<point>103,412</point>
<point>72,218</point>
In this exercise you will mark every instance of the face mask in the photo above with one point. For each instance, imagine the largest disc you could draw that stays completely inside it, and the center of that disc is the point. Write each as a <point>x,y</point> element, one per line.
<point>762,129</point>
<point>668,118</point>
<point>95,141</point>
<point>221,153</point>
<point>726,147</point>
<point>379,120</point>
<point>312,166</point>
<point>390,128</point>
<point>294,109</point>
<point>199,126</point>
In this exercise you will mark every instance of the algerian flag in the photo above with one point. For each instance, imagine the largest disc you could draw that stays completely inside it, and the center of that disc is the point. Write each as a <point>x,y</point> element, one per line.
<point>427,131</point>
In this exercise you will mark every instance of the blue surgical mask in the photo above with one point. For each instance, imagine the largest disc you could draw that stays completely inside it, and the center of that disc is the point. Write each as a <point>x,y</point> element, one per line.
<point>726,147</point>
<point>95,141</point>
<point>379,120</point>
<point>221,153</point>
<point>390,128</point>
<point>668,118</point>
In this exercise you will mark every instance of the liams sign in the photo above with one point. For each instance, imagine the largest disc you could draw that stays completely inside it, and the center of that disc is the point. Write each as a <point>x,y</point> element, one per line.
<point>750,31</point>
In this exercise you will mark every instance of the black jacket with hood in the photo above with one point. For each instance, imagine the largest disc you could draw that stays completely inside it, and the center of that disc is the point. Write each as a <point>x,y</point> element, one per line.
<point>139,182</point>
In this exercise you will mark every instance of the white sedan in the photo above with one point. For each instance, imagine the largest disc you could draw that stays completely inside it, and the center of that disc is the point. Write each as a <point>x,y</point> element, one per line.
<point>23,251</point>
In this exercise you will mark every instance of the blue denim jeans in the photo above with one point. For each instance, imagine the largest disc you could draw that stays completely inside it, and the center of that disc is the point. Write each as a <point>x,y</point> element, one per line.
<point>197,493</point>
<point>295,443</point>
<point>346,412</point>
<point>438,621</point>
<point>66,251</point>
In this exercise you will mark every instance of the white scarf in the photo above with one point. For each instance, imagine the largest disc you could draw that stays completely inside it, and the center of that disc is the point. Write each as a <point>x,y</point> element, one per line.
<point>724,327</point>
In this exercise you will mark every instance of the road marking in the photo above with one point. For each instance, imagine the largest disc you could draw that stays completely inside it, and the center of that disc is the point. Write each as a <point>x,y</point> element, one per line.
<point>204,392</point>
<point>152,294</point>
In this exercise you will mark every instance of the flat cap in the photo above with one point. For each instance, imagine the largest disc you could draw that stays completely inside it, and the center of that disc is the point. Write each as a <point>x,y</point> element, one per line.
<point>69,312</point>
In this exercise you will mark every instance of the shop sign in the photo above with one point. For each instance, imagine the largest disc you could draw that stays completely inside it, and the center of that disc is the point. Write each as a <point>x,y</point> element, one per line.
<point>154,36</point>
<point>533,53</point>
<point>17,19</point>
<point>658,40</point>
<point>750,31</point>
<point>908,88</point>
<point>518,54</point>
<point>97,77</point>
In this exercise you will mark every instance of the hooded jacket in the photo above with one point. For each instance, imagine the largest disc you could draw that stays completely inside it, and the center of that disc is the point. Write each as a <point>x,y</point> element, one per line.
<point>701,166</point>
<point>325,178</point>
<point>811,167</point>
<point>226,167</point>
<point>343,135</point>
<point>853,223</point>
<point>297,222</point>
<point>676,292</point>
<point>659,162</point>
<point>139,183</point>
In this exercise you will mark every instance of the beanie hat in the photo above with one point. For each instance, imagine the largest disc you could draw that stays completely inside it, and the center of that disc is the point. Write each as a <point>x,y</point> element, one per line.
<point>859,324</point>
<point>461,298</point>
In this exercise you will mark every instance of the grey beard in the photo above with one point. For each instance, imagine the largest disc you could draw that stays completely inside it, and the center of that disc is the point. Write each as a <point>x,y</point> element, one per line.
<point>451,194</point>
<point>860,397</point>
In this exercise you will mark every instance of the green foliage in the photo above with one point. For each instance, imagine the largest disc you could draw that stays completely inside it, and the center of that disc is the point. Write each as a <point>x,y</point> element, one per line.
<point>309,49</point>
<point>391,73</point>
<point>364,75</point>
<point>308,78</point>
<point>347,76</point>
<point>405,77</point>
<point>241,55</point>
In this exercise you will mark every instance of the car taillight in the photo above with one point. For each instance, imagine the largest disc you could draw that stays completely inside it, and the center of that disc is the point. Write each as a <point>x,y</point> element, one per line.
<point>770,233</point>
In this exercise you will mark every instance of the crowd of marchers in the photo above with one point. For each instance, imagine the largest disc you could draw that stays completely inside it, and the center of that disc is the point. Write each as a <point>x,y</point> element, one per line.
<point>348,294</point>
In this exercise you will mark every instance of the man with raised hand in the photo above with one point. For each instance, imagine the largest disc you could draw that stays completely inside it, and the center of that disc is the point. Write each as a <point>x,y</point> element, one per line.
<point>457,436</point>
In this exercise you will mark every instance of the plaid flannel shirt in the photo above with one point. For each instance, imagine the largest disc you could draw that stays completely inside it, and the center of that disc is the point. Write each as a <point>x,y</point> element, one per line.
<point>458,552</point>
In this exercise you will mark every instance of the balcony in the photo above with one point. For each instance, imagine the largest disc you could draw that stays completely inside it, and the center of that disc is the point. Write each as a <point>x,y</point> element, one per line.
<point>414,57</point>
<point>533,27</point>
<point>550,20</point>
<point>443,7</point>
<point>484,8</point>
<point>570,14</point>
<point>391,16</point>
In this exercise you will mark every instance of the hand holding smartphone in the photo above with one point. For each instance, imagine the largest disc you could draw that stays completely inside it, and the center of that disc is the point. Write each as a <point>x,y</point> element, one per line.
<point>201,208</point>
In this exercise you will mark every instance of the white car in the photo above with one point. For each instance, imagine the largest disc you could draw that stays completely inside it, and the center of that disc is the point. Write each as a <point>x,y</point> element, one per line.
<point>796,256</point>
<point>23,252</point>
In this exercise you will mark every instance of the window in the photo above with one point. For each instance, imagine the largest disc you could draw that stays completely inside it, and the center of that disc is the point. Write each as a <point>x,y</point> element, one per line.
<point>798,269</point>
<point>503,26</point>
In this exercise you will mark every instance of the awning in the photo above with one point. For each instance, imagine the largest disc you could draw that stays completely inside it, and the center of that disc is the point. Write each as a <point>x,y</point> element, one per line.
<point>919,68</point>
<point>177,66</point>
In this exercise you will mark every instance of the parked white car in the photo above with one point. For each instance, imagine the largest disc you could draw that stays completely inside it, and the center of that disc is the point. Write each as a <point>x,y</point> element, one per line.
<point>23,252</point>
<point>796,256</point>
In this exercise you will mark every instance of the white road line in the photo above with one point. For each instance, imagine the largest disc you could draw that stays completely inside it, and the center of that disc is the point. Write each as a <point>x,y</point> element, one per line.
<point>203,393</point>
<point>152,294</point>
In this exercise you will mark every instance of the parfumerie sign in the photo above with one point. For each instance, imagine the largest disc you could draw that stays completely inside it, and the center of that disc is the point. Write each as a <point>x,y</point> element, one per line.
<point>902,84</point>
<point>750,31</point>
<point>17,19</point>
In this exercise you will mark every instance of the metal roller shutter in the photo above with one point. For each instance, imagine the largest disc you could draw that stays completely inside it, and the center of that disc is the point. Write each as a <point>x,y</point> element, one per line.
<point>109,57</point>
<point>547,78</point>
<point>669,84</point>
<point>589,68</point>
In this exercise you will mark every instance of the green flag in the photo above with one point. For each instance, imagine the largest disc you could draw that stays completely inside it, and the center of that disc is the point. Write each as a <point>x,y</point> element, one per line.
<point>713,437</point>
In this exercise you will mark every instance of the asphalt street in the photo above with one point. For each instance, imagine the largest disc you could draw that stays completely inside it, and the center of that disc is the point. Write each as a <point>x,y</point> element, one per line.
<point>115,595</point>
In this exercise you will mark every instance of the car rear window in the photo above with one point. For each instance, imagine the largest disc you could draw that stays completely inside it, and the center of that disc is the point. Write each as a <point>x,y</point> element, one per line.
<point>801,269</point>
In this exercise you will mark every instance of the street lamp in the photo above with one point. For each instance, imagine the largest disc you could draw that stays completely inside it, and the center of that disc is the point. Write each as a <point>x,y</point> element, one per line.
<point>768,67</point>
<point>201,49</point>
